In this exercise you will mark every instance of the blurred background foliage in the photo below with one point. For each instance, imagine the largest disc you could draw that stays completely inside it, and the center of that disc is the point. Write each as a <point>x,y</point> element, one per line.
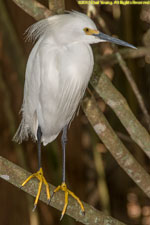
<point>92,173</point>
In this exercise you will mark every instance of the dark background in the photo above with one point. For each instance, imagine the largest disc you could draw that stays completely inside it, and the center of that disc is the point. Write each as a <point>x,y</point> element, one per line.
<point>92,173</point>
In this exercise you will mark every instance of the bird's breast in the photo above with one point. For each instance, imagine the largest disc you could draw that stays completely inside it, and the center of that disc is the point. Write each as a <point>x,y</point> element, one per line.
<point>77,61</point>
<point>57,79</point>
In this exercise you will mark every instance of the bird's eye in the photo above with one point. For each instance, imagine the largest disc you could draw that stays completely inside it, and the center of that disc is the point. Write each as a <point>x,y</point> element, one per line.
<point>86,30</point>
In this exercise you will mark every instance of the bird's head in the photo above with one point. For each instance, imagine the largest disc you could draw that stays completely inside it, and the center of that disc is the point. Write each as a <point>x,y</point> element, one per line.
<point>71,27</point>
<point>95,36</point>
<point>79,27</point>
<point>88,32</point>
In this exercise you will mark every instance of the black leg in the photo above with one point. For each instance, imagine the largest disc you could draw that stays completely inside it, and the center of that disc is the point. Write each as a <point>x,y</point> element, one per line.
<point>63,185</point>
<point>63,142</point>
<point>39,174</point>
<point>39,135</point>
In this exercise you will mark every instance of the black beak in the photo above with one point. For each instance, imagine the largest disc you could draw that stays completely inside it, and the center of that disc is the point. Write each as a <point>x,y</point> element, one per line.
<point>117,41</point>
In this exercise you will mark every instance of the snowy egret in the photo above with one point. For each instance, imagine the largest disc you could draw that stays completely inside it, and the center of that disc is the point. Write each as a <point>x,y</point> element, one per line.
<point>57,73</point>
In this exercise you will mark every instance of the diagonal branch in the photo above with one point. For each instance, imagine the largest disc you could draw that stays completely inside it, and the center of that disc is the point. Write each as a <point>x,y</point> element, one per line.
<point>135,89</point>
<point>127,72</point>
<point>115,146</point>
<point>125,53</point>
<point>34,9</point>
<point>113,98</point>
<point>16,175</point>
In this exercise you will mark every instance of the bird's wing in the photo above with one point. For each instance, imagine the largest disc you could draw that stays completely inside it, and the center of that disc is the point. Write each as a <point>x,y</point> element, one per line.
<point>56,79</point>
<point>28,123</point>
<point>64,77</point>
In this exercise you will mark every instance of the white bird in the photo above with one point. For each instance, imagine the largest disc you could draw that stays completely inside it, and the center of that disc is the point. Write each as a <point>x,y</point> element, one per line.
<point>57,73</point>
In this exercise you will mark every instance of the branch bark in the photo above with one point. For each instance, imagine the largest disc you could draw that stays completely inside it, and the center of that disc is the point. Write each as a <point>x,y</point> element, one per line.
<point>112,97</point>
<point>135,89</point>
<point>34,9</point>
<point>16,175</point>
<point>115,146</point>
<point>125,53</point>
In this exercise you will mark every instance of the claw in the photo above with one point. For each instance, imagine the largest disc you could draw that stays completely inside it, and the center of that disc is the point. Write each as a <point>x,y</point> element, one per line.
<point>49,201</point>
<point>34,208</point>
<point>39,175</point>
<point>62,215</point>
<point>83,213</point>
<point>64,188</point>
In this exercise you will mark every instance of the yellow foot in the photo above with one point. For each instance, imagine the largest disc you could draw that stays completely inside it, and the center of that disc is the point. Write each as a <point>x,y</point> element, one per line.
<point>64,188</point>
<point>39,175</point>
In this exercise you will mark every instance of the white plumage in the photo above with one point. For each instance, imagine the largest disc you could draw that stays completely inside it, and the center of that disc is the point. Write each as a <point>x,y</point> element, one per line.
<point>57,73</point>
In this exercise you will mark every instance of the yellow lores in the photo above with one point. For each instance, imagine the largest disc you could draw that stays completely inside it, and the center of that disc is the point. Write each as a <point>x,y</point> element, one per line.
<point>89,31</point>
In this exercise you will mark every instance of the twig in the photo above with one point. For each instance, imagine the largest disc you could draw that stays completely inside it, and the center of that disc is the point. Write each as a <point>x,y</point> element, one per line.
<point>16,175</point>
<point>113,98</point>
<point>125,53</point>
<point>102,186</point>
<point>101,182</point>
<point>115,146</point>
<point>135,89</point>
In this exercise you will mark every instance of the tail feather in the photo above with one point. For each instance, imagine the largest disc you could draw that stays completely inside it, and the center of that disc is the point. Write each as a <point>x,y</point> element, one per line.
<point>23,132</point>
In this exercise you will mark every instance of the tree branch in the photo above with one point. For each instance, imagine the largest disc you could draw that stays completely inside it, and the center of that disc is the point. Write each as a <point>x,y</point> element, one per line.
<point>115,146</point>
<point>125,53</point>
<point>16,175</point>
<point>135,89</point>
<point>113,98</point>
<point>34,9</point>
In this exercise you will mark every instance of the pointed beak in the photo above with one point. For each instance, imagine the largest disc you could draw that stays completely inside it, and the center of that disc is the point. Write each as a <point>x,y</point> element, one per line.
<point>117,41</point>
